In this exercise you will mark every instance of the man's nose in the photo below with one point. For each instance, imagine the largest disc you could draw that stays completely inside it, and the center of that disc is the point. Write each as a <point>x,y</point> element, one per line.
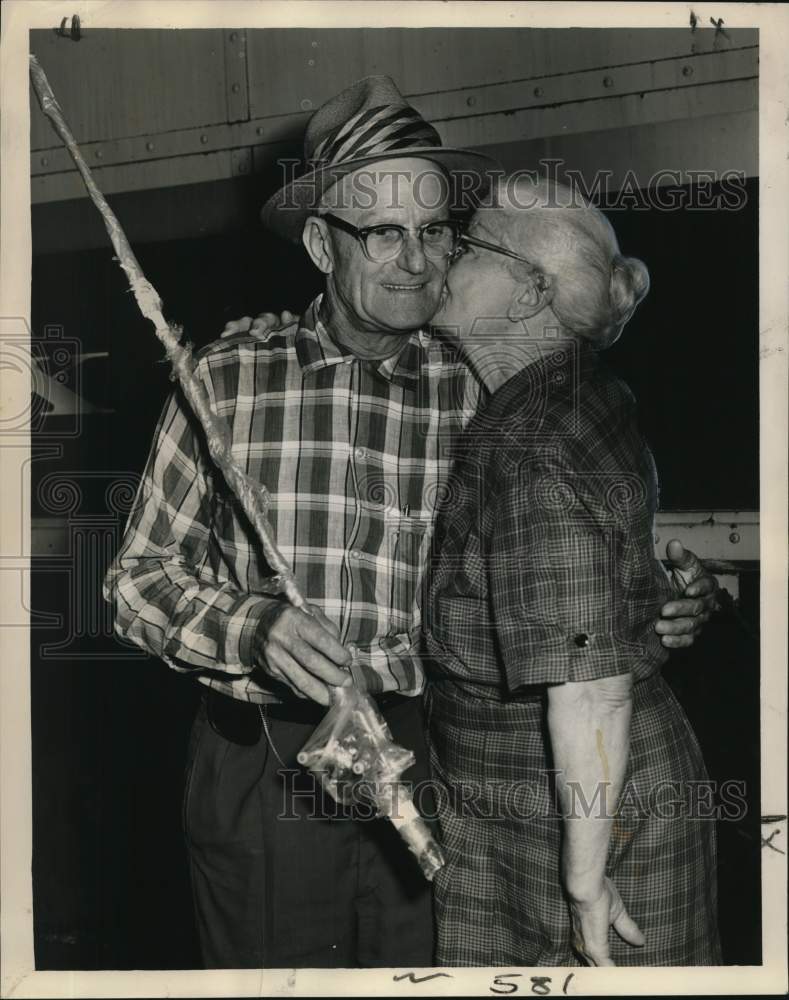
<point>412,257</point>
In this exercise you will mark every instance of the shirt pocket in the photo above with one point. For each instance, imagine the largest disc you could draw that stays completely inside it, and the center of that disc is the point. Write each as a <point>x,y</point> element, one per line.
<point>408,538</point>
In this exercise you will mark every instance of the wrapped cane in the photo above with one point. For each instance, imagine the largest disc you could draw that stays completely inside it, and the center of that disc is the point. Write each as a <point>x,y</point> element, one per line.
<point>378,761</point>
<point>353,755</point>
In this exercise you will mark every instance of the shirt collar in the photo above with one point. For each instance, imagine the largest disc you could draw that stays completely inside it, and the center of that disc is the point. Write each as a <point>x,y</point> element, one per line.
<point>315,349</point>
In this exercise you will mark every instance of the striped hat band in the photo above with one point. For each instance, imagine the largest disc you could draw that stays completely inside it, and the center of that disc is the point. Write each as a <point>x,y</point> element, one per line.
<point>374,132</point>
<point>368,121</point>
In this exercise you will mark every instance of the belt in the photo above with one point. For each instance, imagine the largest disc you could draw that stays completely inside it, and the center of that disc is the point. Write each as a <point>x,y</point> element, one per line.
<point>241,721</point>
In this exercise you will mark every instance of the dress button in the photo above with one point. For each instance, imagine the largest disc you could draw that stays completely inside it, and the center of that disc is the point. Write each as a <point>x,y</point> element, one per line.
<point>360,453</point>
<point>581,640</point>
<point>356,554</point>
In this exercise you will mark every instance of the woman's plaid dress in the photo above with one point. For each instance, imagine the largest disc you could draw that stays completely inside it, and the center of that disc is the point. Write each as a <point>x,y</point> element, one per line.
<point>545,573</point>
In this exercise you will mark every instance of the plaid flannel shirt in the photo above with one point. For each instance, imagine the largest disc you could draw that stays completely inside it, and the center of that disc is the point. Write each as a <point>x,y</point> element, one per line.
<point>355,455</point>
<point>545,570</point>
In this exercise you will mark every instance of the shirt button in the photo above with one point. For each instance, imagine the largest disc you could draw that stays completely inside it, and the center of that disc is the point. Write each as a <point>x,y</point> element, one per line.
<point>360,453</point>
<point>356,554</point>
<point>582,640</point>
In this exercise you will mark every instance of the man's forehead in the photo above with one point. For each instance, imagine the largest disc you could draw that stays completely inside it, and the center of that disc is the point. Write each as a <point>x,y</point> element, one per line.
<point>389,187</point>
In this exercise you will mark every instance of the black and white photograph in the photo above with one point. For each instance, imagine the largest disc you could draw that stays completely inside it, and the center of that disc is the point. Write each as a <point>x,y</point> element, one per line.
<point>394,547</point>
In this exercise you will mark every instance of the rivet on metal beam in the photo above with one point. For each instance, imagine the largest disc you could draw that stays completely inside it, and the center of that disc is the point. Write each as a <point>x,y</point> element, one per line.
<point>44,161</point>
<point>236,87</point>
<point>310,62</point>
<point>98,154</point>
<point>608,81</point>
<point>260,130</point>
<point>306,104</point>
<point>233,36</point>
<point>538,92</point>
<point>734,537</point>
<point>687,71</point>
<point>204,139</point>
<point>471,101</point>
<point>314,44</point>
<point>149,146</point>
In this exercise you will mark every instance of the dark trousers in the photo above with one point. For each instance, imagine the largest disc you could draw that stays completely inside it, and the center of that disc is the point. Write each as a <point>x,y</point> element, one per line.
<point>282,876</point>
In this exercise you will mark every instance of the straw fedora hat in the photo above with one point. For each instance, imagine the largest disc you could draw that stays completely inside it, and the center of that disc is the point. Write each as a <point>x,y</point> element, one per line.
<point>369,121</point>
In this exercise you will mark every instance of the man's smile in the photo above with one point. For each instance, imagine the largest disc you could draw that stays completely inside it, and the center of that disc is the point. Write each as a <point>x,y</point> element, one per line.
<point>404,288</point>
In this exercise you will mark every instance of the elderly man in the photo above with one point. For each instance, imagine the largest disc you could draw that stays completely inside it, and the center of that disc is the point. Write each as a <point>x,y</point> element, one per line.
<point>343,415</point>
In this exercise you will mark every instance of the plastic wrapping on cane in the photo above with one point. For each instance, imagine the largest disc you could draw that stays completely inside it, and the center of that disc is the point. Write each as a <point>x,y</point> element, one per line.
<point>353,755</point>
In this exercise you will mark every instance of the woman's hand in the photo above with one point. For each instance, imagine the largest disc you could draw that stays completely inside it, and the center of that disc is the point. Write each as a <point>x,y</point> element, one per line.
<point>262,324</point>
<point>591,919</point>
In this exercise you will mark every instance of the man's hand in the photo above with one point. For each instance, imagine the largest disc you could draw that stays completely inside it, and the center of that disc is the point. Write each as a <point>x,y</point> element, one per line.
<point>682,619</point>
<point>591,920</point>
<point>260,325</point>
<point>304,652</point>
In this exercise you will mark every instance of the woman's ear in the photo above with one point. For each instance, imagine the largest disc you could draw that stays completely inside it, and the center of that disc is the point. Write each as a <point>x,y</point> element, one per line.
<point>315,237</point>
<point>531,296</point>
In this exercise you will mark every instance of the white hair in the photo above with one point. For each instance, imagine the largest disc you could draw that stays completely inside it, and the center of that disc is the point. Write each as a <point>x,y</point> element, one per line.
<point>595,288</point>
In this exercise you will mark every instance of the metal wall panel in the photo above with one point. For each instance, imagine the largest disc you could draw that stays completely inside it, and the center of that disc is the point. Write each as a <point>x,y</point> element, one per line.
<point>294,70</point>
<point>629,111</point>
<point>642,155</point>
<point>117,83</point>
<point>146,176</point>
<point>226,102</point>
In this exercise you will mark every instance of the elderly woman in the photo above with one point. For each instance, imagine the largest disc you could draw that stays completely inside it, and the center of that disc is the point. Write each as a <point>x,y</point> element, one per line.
<point>547,709</point>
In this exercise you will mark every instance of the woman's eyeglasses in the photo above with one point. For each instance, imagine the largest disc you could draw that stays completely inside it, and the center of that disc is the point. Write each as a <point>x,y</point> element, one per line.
<point>465,241</point>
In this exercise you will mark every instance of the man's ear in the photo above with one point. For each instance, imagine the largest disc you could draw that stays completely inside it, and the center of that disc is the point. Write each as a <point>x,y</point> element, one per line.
<point>531,296</point>
<point>316,240</point>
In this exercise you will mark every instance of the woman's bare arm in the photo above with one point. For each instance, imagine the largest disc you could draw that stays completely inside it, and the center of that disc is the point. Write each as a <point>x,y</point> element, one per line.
<point>589,725</point>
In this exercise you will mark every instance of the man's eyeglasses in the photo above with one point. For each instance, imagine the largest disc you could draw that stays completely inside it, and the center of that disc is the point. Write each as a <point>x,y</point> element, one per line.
<point>385,241</point>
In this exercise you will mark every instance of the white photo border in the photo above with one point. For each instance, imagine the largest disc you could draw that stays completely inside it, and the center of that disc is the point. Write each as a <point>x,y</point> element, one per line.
<point>19,979</point>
